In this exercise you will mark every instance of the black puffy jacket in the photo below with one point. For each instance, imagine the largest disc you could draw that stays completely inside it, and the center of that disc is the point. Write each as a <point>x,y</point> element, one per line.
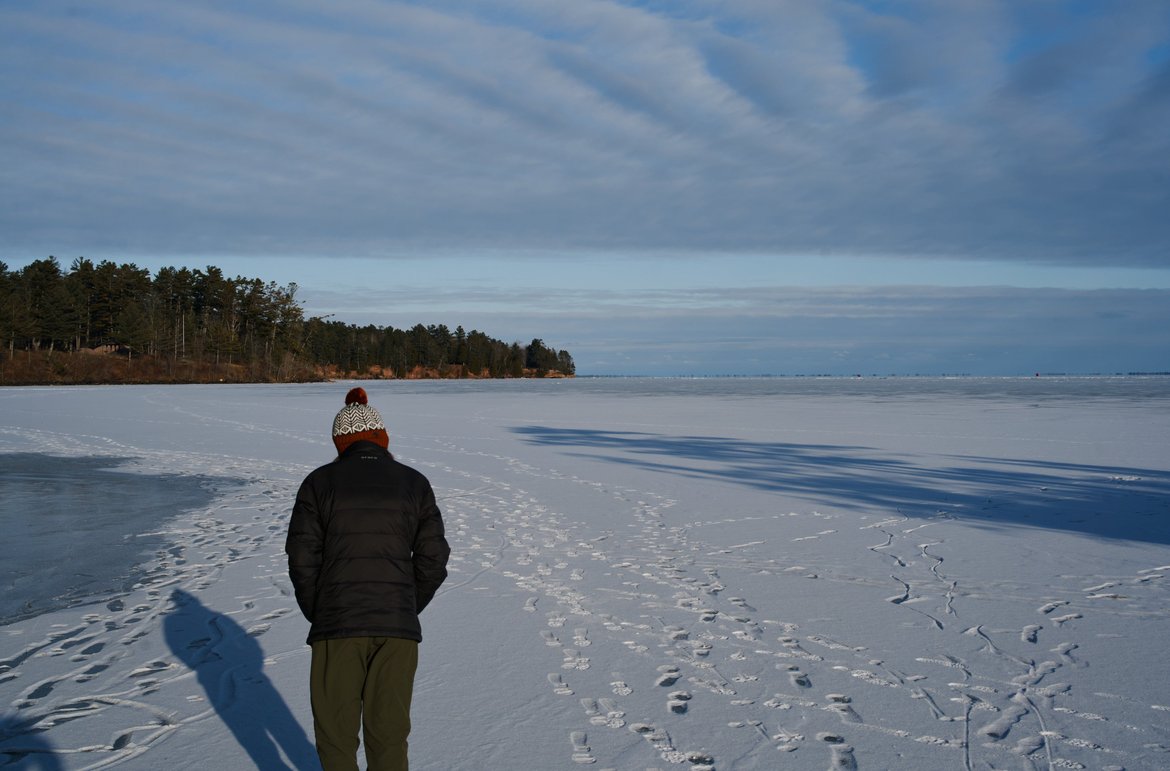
<point>366,549</point>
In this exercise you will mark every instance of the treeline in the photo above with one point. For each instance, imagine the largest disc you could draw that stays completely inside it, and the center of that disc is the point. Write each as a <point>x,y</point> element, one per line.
<point>184,325</point>
<point>428,350</point>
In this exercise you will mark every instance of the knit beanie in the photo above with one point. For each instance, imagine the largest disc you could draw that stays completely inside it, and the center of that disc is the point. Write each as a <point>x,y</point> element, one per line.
<point>358,421</point>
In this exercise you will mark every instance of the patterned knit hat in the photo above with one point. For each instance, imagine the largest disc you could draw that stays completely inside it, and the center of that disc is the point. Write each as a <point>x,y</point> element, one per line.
<point>358,421</point>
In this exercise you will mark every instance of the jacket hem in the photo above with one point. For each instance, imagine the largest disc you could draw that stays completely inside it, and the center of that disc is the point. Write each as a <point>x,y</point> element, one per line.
<point>399,633</point>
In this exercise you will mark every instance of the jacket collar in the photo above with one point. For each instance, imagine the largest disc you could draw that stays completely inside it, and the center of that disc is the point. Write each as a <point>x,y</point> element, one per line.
<point>364,446</point>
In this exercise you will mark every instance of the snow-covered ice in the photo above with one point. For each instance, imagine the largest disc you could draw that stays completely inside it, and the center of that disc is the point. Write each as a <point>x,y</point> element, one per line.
<point>726,574</point>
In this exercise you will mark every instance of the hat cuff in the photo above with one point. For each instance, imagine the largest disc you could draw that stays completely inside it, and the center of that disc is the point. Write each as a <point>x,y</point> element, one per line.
<point>378,436</point>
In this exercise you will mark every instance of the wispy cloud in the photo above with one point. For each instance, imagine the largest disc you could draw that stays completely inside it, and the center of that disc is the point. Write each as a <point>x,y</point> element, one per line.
<point>993,130</point>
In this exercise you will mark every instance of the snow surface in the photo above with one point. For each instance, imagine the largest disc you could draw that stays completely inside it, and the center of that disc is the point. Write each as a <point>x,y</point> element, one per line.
<point>646,575</point>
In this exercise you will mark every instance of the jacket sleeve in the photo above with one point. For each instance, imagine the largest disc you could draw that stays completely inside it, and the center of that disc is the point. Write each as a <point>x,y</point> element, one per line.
<point>305,546</point>
<point>430,551</point>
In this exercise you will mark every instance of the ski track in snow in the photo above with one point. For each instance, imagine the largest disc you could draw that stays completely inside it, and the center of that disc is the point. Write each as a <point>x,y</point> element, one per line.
<point>645,633</point>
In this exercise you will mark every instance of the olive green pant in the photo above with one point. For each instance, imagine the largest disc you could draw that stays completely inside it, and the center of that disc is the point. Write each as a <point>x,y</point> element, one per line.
<point>366,681</point>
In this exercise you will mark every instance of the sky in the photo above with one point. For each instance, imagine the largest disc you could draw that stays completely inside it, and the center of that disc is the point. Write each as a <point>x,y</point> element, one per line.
<point>666,188</point>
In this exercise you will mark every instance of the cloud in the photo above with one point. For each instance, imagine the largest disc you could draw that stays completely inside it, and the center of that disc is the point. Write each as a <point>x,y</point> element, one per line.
<point>954,130</point>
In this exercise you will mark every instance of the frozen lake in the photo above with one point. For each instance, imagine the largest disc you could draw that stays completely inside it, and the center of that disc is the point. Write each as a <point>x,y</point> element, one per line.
<point>646,574</point>
<point>78,527</point>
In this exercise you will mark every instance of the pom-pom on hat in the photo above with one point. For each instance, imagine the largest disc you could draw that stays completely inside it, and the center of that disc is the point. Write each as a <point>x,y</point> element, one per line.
<point>358,421</point>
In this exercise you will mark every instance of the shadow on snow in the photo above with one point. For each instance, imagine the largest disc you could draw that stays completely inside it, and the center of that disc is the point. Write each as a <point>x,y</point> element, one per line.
<point>1104,501</point>
<point>230,666</point>
<point>23,746</point>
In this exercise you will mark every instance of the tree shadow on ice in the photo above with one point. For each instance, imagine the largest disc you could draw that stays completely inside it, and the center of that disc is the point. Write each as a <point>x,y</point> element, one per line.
<point>1105,501</point>
<point>23,746</point>
<point>229,664</point>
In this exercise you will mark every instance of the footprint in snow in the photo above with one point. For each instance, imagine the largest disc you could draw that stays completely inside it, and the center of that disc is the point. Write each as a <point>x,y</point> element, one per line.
<point>678,701</point>
<point>1000,728</point>
<point>1065,650</point>
<point>153,667</point>
<point>841,757</point>
<point>603,712</point>
<point>581,751</point>
<point>37,693</point>
<point>701,649</point>
<point>90,673</point>
<point>90,650</point>
<point>701,761</point>
<point>258,630</point>
<point>574,660</point>
<point>795,649</point>
<point>607,714</point>
<point>840,704</point>
<point>669,675</point>
<point>560,688</point>
<point>795,676</point>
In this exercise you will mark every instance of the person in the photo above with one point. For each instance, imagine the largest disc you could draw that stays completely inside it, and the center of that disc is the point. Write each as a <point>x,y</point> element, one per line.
<point>366,554</point>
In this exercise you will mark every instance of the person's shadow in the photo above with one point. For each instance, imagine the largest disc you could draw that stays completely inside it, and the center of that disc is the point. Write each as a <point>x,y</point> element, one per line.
<point>23,747</point>
<point>230,666</point>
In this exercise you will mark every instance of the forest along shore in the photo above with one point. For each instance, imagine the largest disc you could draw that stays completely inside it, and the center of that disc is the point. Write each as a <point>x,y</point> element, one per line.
<point>115,367</point>
<point>109,323</point>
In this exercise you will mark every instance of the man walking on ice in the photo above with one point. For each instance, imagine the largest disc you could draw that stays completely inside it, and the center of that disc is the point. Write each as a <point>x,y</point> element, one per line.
<point>366,553</point>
